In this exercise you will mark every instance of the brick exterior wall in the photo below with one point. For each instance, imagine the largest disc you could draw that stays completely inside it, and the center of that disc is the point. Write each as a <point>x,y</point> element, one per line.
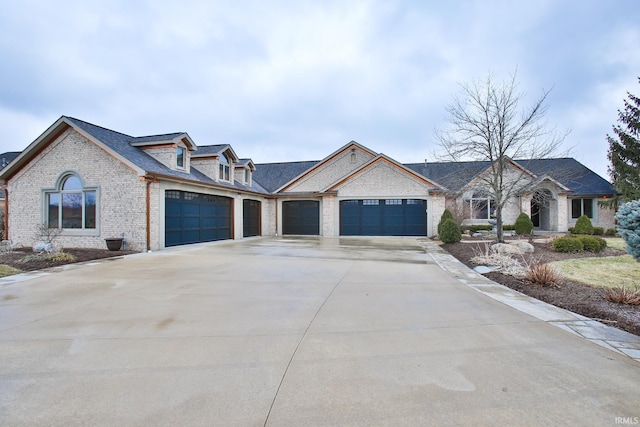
<point>121,195</point>
<point>602,216</point>
<point>336,168</point>
<point>208,166</point>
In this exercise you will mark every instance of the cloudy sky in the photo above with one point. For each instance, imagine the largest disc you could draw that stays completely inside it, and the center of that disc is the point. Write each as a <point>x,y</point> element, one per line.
<point>295,80</point>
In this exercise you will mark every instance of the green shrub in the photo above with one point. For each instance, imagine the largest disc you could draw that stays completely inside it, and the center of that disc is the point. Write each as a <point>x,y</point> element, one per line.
<point>450,232</point>
<point>508,227</point>
<point>610,232</point>
<point>593,243</point>
<point>583,226</point>
<point>598,231</point>
<point>445,216</point>
<point>567,244</point>
<point>572,230</point>
<point>62,256</point>
<point>523,224</point>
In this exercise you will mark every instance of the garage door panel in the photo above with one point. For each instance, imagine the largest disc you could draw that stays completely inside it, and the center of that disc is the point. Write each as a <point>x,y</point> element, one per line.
<point>301,217</point>
<point>251,212</point>
<point>385,217</point>
<point>193,217</point>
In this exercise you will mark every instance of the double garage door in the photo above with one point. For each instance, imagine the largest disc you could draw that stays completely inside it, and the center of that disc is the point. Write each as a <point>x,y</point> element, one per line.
<point>194,218</point>
<point>384,217</point>
<point>371,217</point>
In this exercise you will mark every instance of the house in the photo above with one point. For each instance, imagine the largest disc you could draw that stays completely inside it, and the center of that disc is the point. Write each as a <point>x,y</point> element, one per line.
<point>164,190</point>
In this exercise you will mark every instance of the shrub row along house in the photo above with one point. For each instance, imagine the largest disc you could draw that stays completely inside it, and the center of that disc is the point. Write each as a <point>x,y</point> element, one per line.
<point>163,190</point>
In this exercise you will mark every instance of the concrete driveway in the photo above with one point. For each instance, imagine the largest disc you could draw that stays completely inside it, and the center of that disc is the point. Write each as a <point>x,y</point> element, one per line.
<point>292,332</point>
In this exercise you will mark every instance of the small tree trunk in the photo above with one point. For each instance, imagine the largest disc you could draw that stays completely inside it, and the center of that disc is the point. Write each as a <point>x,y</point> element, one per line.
<point>499,232</point>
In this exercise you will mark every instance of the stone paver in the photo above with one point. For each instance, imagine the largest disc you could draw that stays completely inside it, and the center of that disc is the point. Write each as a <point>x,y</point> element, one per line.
<point>295,332</point>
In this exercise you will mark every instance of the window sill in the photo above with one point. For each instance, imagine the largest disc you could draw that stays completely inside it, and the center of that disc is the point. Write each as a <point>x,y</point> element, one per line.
<point>70,232</point>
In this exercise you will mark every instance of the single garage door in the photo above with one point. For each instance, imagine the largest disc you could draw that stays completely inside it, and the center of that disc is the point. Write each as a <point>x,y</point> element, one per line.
<point>193,218</point>
<point>250,218</point>
<point>301,217</point>
<point>386,217</point>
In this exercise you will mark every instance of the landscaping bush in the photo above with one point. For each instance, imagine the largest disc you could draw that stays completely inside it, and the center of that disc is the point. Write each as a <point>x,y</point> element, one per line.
<point>610,232</point>
<point>542,275</point>
<point>583,226</point>
<point>623,295</point>
<point>598,231</point>
<point>592,243</point>
<point>445,216</point>
<point>523,224</point>
<point>628,217</point>
<point>450,232</point>
<point>508,227</point>
<point>567,244</point>
<point>571,230</point>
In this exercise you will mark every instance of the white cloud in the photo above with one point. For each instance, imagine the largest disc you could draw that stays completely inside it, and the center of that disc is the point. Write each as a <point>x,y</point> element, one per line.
<point>296,80</point>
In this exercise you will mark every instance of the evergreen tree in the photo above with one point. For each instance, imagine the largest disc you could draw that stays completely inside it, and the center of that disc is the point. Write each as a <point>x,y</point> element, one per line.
<point>624,150</point>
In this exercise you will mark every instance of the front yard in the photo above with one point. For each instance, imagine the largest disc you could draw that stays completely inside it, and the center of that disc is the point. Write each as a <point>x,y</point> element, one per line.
<point>586,279</point>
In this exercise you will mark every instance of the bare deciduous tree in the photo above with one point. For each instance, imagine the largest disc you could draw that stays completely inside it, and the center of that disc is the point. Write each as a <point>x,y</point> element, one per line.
<point>486,123</point>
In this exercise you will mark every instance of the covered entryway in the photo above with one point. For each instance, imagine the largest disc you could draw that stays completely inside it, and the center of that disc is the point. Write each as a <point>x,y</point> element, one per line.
<point>301,217</point>
<point>251,210</point>
<point>384,217</point>
<point>540,212</point>
<point>194,218</point>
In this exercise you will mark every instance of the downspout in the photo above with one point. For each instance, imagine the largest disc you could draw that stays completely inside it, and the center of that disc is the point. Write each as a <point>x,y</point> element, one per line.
<point>150,179</point>
<point>276,200</point>
<point>6,213</point>
<point>148,233</point>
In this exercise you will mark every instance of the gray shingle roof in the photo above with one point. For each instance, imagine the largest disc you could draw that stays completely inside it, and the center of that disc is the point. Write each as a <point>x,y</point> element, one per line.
<point>121,144</point>
<point>153,138</point>
<point>204,150</point>
<point>581,180</point>
<point>6,158</point>
<point>268,177</point>
<point>274,175</point>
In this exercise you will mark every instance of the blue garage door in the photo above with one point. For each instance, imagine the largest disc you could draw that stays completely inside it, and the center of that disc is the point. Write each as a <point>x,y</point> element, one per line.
<point>194,218</point>
<point>386,217</point>
<point>301,217</point>
<point>250,218</point>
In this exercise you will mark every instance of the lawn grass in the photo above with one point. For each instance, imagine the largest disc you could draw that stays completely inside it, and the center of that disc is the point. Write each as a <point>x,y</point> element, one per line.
<point>6,270</point>
<point>616,243</point>
<point>605,272</point>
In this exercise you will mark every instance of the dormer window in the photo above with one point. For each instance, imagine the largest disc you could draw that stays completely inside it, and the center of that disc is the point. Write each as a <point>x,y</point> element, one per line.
<point>247,176</point>
<point>224,167</point>
<point>180,157</point>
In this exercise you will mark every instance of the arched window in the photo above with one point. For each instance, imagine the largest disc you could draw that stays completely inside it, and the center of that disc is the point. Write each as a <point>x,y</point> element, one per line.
<point>71,205</point>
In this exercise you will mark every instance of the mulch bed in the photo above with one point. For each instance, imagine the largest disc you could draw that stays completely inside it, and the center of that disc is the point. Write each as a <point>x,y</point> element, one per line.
<point>13,259</point>
<point>586,300</point>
